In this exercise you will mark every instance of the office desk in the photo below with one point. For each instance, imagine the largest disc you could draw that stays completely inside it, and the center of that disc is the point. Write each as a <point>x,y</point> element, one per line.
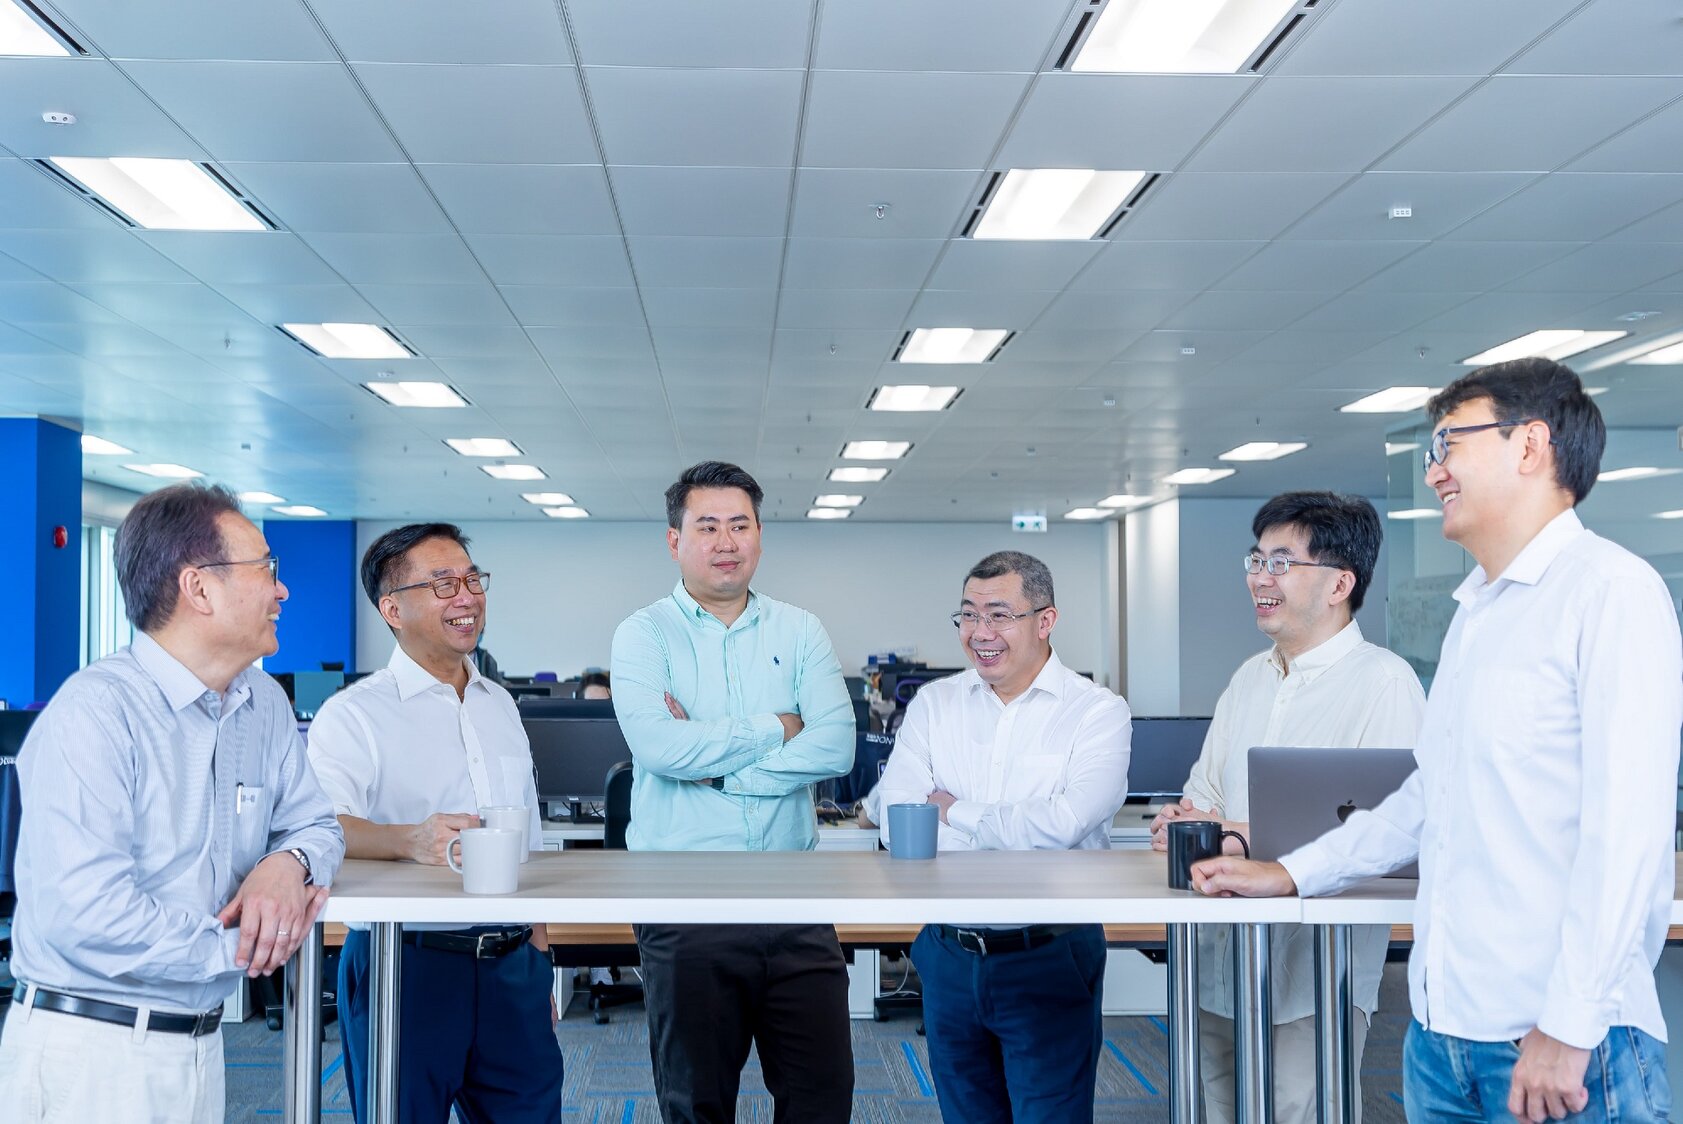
<point>860,887</point>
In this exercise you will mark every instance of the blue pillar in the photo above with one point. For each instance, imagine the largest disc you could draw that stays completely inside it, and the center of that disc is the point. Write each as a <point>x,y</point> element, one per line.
<point>40,490</point>
<point>318,622</point>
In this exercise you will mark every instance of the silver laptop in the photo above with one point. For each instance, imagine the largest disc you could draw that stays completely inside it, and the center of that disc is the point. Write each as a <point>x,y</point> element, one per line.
<point>1298,795</point>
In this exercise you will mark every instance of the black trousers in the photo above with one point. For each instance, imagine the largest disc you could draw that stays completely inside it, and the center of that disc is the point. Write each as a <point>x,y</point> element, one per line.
<point>714,990</point>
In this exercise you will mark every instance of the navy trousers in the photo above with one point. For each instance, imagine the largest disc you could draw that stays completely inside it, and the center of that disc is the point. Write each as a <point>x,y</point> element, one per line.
<point>474,1033</point>
<point>1014,1037</point>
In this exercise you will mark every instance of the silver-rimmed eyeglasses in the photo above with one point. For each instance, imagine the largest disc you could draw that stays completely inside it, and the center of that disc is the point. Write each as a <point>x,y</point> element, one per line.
<point>997,618</point>
<point>1280,567</point>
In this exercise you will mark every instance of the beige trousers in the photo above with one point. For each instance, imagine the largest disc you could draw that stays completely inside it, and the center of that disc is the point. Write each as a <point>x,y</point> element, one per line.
<point>1294,1068</point>
<point>63,1069</point>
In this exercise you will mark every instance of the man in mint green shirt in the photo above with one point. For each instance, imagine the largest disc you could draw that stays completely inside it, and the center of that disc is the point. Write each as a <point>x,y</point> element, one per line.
<point>734,706</point>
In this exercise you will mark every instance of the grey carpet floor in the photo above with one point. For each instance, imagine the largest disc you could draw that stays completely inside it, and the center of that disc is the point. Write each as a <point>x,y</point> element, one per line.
<point>609,1081</point>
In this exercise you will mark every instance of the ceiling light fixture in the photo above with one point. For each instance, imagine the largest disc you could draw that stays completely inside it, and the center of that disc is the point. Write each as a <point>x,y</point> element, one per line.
<point>1054,204</point>
<point>262,498</point>
<point>484,446</point>
<point>912,398</point>
<point>160,194</point>
<point>1545,343</point>
<point>1179,37</point>
<point>857,475</point>
<point>1391,400</point>
<point>165,471</point>
<point>418,395</point>
<point>1618,475</point>
<point>1263,450</point>
<point>548,499</point>
<point>1123,499</point>
<point>566,512</point>
<point>836,499</point>
<point>302,510</point>
<point>1674,514</point>
<point>100,447</point>
<point>1198,475</point>
<point>22,34</point>
<point>1088,513</point>
<point>828,513</point>
<point>1661,356</point>
<point>1392,448</point>
<point>513,471</point>
<point>348,341</point>
<point>875,450</point>
<point>951,345</point>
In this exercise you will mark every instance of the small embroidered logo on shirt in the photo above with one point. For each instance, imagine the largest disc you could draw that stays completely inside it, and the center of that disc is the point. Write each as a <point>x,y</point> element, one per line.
<point>777,661</point>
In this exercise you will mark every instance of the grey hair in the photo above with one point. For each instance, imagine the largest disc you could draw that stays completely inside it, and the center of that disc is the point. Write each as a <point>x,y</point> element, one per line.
<point>1037,579</point>
<point>166,532</point>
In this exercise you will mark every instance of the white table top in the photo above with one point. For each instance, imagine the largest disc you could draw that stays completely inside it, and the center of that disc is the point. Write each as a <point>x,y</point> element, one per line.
<point>974,887</point>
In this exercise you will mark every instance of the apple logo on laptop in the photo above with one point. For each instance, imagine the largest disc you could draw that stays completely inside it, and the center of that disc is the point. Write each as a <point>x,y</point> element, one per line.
<point>1345,809</point>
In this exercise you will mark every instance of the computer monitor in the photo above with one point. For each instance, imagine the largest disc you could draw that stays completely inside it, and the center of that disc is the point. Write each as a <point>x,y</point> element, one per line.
<point>284,678</point>
<point>522,691</point>
<point>14,727</point>
<point>572,757</point>
<point>565,708</point>
<point>1164,751</point>
<point>855,686</point>
<point>312,688</point>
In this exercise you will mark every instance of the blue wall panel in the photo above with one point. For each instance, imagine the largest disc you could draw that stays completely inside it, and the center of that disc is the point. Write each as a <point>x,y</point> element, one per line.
<point>318,566</point>
<point>41,466</point>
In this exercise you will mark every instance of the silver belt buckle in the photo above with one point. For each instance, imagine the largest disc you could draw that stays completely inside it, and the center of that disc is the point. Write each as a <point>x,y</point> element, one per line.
<point>479,952</point>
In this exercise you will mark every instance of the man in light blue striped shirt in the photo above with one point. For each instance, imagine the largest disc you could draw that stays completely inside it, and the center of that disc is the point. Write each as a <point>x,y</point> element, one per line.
<point>733,705</point>
<point>173,836</point>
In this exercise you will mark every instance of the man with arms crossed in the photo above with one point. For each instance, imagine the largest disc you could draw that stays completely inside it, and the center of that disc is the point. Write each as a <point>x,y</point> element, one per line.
<point>1321,684</point>
<point>1019,753</point>
<point>408,755</point>
<point>175,836</point>
<point>1542,810</point>
<point>734,705</point>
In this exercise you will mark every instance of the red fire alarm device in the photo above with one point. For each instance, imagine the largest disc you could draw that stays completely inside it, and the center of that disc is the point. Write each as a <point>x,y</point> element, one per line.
<point>61,538</point>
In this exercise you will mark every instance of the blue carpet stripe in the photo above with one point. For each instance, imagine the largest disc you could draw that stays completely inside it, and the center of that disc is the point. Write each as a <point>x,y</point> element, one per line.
<point>1159,1024</point>
<point>917,1069</point>
<point>1132,1068</point>
<point>332,1068</point>
<point>630,1111</point>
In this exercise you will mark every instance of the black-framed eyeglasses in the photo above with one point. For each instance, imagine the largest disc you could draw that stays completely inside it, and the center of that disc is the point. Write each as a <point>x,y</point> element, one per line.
<point>1437,450</point>
<point>446,588</point>
<point>996,618</point>
<point>269,560</point>
<point>1280,567</point>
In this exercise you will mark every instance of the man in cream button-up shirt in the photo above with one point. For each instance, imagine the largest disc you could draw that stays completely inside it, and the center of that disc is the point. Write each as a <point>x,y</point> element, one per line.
<point>1542,809</point>
<point>1020,753</point>
<point>408,756</point>
<point>1321,684</point>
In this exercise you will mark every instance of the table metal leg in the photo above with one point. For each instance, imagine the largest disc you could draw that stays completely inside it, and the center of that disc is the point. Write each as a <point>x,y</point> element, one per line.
<point>1334,1059</point>
<point>386,944</point>
<point>301,1015</point>
<point>1253,1026</point>
<point>1185,1087</point>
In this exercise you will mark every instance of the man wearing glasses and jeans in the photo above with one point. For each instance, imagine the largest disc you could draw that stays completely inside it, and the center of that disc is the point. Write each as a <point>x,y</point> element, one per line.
<point>408,755</point>
<point>1542,811</point>
<point>1320,684</point>
<point>174,839</point>
<point>1019,753</point>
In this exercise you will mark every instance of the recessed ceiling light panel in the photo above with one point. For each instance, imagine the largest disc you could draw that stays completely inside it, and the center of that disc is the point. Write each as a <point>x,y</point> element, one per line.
<point>1545,343</point>
<point>484,446</point>
<point>160,194</point>
<point>836,499</point>
<point>348,341</point>
<point>548,499</point>
<point>22,33</point>
<point>1088,513</point>
<point>418,395</point>
<point>1054,204</point>
<point>1198,475</point>
<point>1179,36</point>
<point>165,471</point>
<point>951,345</point>
<point>513,471</point>
<point>875,450</point>
<point>100,447</point>
<point>913,398</point>
<point>261,498</point>
<point>1123,499</point>
<point>1263,450</point>
<point>301,510</point>
<point>828,513</point>
<point>857,475</point>
<point>566,512</point>
<point>1391,400</point>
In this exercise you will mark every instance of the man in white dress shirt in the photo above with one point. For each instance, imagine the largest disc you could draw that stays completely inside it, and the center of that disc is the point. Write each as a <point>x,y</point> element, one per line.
<point>1019,753</point>
<point>1542,808</point>
<point>408,755</point>
<point>1321,684</point>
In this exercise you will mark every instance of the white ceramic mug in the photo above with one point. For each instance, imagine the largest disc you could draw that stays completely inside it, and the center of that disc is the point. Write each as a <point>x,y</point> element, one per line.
<point>490,862</point>
<point>511,817</point>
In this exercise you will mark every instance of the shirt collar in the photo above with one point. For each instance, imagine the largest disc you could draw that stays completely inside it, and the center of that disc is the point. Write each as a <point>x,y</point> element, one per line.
<point>1322,655</point>
<point>1529,566</point>
<point>1051,679</point>
<point>695,614</point>
<point>180,686</point>
<point>413,679</point>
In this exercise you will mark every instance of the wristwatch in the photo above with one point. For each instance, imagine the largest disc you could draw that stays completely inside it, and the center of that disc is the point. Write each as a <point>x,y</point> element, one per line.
<point>304,861</point>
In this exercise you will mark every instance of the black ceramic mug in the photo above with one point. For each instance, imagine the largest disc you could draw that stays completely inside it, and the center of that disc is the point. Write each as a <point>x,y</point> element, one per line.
<point>1193,841</point>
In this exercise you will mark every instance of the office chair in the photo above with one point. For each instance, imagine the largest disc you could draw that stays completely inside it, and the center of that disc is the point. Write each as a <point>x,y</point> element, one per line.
<point>616,817</point>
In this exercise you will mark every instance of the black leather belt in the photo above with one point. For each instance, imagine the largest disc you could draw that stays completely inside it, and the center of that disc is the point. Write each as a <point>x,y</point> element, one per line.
<point>195,1025</point>
<point>487,945</point>
<point>992,942</point>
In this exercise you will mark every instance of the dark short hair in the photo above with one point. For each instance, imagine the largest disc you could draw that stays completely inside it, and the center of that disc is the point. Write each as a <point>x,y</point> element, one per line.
<point>164,533</point>
<point>594,679</point>
<point>1342,530</point>
<point>709,474</point>
<point>382,564</point>
<point>1037,579</point>
<point>1549,392</point>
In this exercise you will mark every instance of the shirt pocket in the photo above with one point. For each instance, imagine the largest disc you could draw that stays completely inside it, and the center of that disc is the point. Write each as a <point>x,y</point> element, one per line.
<point>251,826</point>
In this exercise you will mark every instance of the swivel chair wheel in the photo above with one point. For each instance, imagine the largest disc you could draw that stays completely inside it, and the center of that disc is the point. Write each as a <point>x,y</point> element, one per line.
<point>273,1022</point>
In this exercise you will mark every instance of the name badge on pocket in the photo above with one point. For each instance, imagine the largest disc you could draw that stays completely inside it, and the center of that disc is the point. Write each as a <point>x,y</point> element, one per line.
<point>246,798</point>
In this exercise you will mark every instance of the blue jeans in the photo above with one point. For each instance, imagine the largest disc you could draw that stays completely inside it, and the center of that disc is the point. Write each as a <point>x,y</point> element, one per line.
<point>1452,1079</point>
<point>1014,1038</point>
